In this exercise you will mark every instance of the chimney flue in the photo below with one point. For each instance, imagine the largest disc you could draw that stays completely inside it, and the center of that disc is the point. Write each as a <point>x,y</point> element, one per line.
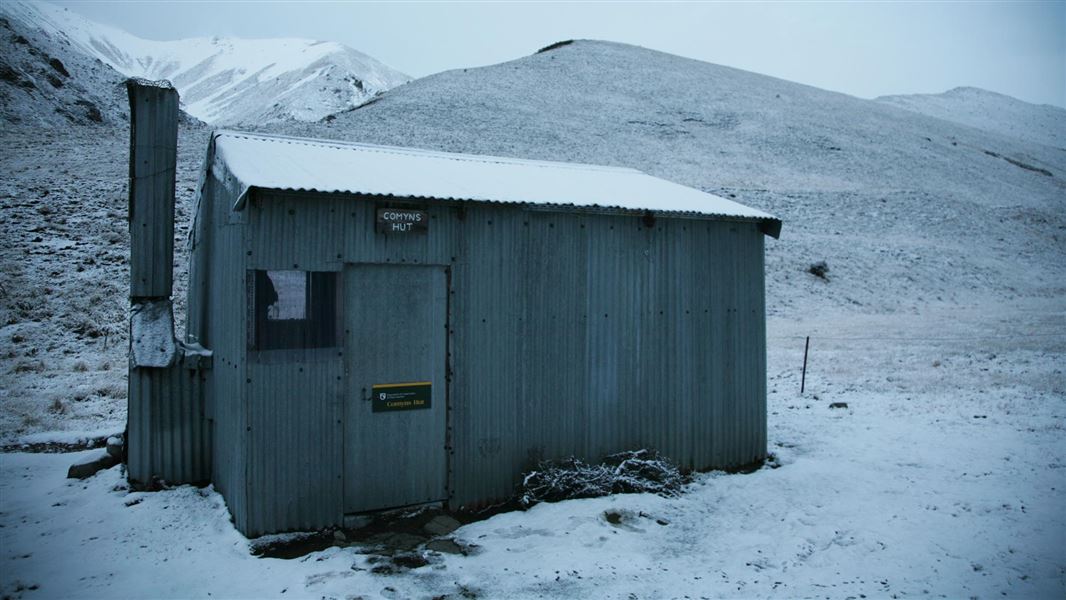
<point>153,162</point>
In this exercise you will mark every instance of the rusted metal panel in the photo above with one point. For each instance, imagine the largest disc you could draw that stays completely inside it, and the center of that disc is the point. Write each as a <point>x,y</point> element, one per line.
<point>153,156</point>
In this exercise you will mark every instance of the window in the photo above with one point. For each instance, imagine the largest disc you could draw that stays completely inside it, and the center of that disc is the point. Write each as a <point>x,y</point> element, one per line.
<point>292,310</point>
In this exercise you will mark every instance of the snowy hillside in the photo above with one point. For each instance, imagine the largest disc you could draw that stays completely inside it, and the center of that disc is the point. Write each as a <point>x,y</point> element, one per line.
<point>1039,123</point>
<point>225,80</point>
<point>908,210</point>
<point>45,84</point>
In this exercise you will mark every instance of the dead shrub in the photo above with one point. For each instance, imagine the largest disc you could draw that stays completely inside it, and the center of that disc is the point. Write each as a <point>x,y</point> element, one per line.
<point>631,472</point>
<point>112,390</point>
<point>30,366</point>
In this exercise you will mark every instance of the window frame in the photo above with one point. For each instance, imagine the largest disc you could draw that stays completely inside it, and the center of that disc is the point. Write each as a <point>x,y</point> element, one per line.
<point>277,347</point>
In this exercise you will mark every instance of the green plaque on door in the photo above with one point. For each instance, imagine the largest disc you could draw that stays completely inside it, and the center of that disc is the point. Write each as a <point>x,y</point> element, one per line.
<point>401,396</point>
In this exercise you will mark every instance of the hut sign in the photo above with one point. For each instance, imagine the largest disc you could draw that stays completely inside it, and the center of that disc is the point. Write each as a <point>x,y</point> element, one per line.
<point>394,220</point>
<point>401,396</point>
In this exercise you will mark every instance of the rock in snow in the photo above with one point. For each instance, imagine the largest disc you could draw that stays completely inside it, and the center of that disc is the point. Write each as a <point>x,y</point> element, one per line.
<point>115,446</point>
<point>90,465</point>
<point>441,525</point>
<point>446,546</point>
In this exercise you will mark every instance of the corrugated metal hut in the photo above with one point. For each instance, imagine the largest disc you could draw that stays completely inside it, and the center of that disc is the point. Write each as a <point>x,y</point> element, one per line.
<point>392,327</point>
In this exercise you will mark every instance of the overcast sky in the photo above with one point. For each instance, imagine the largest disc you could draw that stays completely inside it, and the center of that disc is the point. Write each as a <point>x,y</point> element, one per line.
<point>864,49</point>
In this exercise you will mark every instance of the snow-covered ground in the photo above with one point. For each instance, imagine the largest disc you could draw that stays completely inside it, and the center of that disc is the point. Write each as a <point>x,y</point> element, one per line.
<point>64,276</point>
<point>944,477</point>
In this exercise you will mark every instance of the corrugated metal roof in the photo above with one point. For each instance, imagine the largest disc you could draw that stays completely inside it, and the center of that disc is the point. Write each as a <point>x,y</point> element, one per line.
<point>300,164</point>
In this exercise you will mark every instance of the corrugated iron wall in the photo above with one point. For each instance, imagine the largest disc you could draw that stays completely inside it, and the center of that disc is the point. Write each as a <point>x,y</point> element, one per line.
<point>609,335</point>
<point>169,438</point>
<point>571,334</point>
<point>221,328</point>
<point>295,452</point>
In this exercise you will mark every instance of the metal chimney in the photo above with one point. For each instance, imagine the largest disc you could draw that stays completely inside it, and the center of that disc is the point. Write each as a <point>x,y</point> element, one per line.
<point>167,434</point>
<point>153,162</point>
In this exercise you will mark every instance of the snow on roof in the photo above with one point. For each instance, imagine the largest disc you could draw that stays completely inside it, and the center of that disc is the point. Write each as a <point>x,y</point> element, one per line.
<point>298,164</point>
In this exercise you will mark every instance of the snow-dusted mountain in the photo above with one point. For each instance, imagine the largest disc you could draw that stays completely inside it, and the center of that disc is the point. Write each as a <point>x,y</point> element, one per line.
<point>44,84</point>
<point>225,80</point>
<point>1040,123</point>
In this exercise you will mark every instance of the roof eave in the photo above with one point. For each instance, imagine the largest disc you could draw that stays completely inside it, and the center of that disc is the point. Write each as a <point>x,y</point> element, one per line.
<point>771,227</point>
<point>768,225</point>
